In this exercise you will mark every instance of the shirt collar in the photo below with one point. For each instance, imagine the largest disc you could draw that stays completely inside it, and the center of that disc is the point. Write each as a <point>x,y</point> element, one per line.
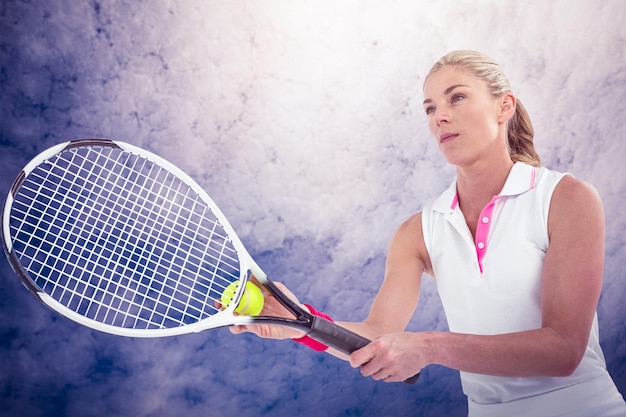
<point>522,178</point>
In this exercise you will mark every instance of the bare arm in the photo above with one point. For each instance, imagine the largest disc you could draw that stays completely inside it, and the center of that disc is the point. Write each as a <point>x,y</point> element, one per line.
<point>398,296</point>
<point>571,283</point>
<point>394,304</point>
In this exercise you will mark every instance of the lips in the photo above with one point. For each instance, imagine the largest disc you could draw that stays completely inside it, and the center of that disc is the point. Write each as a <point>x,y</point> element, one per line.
<point>446,137</point>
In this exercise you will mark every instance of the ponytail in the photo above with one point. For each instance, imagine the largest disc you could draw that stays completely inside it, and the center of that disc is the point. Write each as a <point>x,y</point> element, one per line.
<point>520,135</point>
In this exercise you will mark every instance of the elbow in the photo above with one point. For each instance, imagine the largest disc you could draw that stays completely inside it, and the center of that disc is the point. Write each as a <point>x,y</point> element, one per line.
<point>567,361</point>
<point>566,368</point>
<point>565,351</point>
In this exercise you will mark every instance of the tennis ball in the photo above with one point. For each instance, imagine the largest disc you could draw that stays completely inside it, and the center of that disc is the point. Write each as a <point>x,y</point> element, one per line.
<point>251,302</point>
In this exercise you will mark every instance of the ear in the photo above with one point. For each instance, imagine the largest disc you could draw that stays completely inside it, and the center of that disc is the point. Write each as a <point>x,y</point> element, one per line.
<point>508,104</point>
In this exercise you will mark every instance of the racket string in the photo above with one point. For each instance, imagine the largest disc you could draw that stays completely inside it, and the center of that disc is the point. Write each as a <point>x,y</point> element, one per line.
<point>141,284</point>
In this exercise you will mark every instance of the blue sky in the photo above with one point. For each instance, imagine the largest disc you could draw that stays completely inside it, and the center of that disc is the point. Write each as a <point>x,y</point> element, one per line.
<point>303,120</point>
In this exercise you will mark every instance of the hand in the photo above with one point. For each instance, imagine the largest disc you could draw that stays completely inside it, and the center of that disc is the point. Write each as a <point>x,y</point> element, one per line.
<point>392,357</point>
<point>272,307</point>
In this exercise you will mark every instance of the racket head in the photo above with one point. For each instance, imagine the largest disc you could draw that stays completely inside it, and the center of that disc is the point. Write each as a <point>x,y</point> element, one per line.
<point>122,241</point>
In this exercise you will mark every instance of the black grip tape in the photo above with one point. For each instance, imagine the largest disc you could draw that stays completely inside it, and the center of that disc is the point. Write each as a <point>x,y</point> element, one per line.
<point>336,336</point>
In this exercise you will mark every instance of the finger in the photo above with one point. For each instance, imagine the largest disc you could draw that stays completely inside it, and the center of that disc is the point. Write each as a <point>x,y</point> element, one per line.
<point>392,378</point>
<point>238,329</point>
<point>256,281</point>
<point>286,291</point>
<point>362,356</point>
<point>381,375</point>
<point>374,370</point>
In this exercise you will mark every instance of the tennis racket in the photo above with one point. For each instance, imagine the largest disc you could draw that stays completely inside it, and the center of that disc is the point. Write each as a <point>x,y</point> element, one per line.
<point>122,241</point>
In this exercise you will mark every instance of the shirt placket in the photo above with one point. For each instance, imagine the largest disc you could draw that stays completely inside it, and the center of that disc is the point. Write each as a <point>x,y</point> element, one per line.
<point>482,231</point>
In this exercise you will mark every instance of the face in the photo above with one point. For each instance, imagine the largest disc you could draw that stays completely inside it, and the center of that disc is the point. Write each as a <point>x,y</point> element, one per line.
<point>465,119</point>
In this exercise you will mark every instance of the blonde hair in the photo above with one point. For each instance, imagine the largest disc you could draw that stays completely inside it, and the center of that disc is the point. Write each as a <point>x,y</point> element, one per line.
<point>520,130</point>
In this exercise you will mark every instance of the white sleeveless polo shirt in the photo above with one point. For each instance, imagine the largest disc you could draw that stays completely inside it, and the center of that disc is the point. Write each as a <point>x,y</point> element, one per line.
<point>492,284</point>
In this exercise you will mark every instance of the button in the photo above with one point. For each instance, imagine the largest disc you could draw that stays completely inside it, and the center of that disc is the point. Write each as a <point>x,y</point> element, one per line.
<point>485,219</point>
<point>481,245</point>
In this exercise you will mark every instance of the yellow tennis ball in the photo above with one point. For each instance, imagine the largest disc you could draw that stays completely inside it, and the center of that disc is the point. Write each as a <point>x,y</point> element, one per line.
<point>251,302</point>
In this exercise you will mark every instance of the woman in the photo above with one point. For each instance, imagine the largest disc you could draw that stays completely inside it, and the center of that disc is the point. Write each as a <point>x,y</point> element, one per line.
<point>517,253</point>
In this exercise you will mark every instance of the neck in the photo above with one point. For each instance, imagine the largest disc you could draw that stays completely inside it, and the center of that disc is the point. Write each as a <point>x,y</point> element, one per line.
<point>479,183</point>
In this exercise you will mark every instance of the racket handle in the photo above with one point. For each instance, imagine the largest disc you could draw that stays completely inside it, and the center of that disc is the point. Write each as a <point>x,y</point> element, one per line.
<point>342,339</point>
<point>336,336</point>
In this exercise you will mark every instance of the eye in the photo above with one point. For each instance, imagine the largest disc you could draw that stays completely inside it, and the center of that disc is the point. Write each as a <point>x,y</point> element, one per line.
<point>429,109</point>
<point>457,97</point>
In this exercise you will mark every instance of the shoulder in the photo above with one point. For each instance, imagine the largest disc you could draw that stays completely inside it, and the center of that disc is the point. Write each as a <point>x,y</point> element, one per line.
<point>408,241</point>
<point>410,232</point>
<point>575,201</point>
<point>571,191</point>
<point>412,224</point>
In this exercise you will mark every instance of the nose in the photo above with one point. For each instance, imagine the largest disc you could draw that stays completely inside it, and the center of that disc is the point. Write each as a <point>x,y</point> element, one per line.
<point>441,116</point>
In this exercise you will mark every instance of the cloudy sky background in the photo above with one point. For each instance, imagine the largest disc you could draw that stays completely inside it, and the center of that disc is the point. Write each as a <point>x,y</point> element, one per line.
<point>303,121</point>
